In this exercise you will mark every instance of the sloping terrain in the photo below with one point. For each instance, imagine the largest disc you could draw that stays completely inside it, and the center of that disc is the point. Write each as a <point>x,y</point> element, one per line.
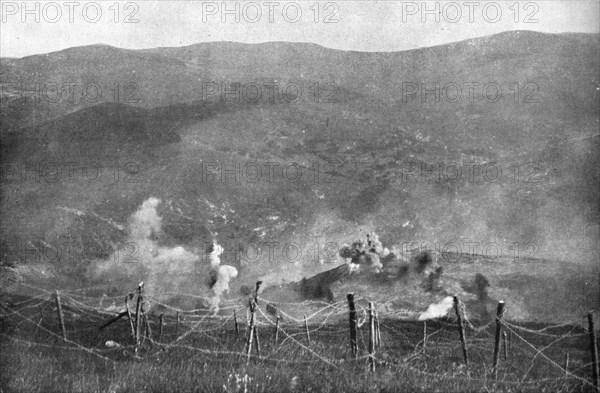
<point>353,130</point>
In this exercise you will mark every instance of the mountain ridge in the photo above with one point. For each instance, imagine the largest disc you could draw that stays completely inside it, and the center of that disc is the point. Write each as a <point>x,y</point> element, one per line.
<point>494,38</point>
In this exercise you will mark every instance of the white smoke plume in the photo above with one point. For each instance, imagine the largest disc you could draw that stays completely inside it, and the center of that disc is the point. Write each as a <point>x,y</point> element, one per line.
<point>224,275</point>
<point>145,221</point>
<point>215,256</point>
<point>140,258</point>
<point>437,310</point>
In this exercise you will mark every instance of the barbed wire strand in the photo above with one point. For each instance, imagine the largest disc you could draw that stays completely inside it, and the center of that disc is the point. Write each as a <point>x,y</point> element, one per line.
<point>548,359</point>
<point>65,339</point>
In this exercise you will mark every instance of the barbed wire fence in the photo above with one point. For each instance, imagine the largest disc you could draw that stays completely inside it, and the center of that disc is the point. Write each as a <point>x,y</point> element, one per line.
<point>284,338</point>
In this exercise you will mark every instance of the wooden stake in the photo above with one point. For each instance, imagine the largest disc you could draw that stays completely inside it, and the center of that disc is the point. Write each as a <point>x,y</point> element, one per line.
<point>160,329</point>
<point>256,341</point>
<point>377,330</point>
<point>424,334</point>
<point>593,348</point>
<point>276,330</point>
<point>371,337</point>
<point>504,345</point>
<point>566,364</point>
<point>499,316</point>
<point>251,330</point>
<point>461,330</point>
<point>306,329</point>
<point>147,323</point>
<point>177,325</point>
<point>138,316</point>
<point>130,319</point>
<point>61,317</point>
<point>235,323</point>
<point>248,317</point>
<point>113,320</point>
<point>352,322</point>
<point>250,333</point>
<point>258,284</point>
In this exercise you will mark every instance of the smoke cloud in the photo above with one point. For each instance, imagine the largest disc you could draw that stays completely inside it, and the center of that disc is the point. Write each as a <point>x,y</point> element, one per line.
<point>145,222</point>
<point>437,310</point>
<point>224,275</point>
<point>365,253</point>
<point>165,270</point>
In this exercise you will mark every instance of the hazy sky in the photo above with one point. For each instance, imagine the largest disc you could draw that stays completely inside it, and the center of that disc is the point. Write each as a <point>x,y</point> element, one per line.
<point>43,26</point>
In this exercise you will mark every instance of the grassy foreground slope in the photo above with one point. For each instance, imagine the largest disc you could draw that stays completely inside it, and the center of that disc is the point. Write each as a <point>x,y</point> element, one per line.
<point>212,357</point>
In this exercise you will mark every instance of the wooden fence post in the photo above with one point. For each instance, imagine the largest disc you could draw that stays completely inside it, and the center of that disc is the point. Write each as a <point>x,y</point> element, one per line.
<point>61,317</point>
<point>138,315</point>
<point>377,330</point>
<point>593,348</point>
<point>177,325</point>
<point>147,324</point>
<point>371,338</point>
<point>276,330</point>
<point>306,329</point>
<point>504,345</point>
<point>352,320</point>
<point>249,340</point>
<point>461,330</point>
<point>566,364</point>
<point>130,319</point>
<point>235,323</point>
<point>424,334</point>
<point>499,316</point>
<point>160,330</point>
<point>251,330</point>
<point>256,341</point>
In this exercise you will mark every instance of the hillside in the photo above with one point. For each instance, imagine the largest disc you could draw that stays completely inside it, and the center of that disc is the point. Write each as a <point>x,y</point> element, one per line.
<point>163,137</point>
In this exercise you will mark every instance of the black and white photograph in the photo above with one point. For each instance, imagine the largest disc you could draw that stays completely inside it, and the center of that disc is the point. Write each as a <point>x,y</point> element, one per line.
<point>299,196</point>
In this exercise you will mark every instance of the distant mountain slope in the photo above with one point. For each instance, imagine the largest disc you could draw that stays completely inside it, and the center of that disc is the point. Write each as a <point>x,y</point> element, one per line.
<point>557,76</point>
<point>95,133</point>
<point>365,139</point>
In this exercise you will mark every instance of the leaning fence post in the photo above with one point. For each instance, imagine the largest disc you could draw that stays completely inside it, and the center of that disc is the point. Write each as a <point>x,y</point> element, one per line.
<point>352,320</point>
<point>377,331</point>
<point>424,334</point>
<point>250,334</point>
<point>130,319</point>
<point>251,330</point>
<point>371,338</point>
<point>147,324</point>
<point>61,317</point>
<point>499,316</point>
<point>256,341</point>
<point>504,345</point>
<point>235,324</point>
<point>306,329</point>
<point>593,348</point>
<point>461,330</point>
<point>138,315</point>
